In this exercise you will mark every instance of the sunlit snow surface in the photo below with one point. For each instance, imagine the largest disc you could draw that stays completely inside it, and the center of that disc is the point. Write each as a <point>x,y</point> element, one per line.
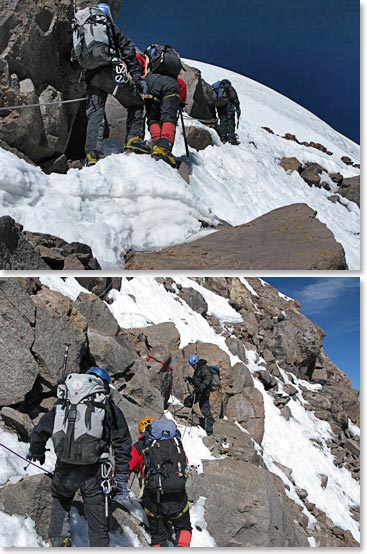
<point>135,202</point>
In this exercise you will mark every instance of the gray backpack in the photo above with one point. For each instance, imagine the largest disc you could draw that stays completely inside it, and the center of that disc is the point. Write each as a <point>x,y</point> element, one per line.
<point>93,45</point>
<point>80,413</point>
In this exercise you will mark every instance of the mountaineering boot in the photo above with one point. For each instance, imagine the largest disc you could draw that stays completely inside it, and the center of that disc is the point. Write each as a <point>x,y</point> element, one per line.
<point>60,542</point>
<point>162,150</point>
<point>138,145</point>
<point>92,158</point>
<point>234,141</point>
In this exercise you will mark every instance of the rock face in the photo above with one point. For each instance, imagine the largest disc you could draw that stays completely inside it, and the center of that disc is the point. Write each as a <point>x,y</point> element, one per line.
<point>251,511</point>
<point>147,367</point>
<point>350,189</point>
<point>35,51</point>
<point>24,250</point>
<point>286,238</point>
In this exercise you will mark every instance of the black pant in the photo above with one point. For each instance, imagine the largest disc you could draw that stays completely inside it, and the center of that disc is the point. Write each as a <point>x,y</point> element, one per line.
<point>227,122</point>
<point>205,408</point>
<point>67,480</point>
<point>160,527</point>
<point>99,85</point>
<point>164,104</point>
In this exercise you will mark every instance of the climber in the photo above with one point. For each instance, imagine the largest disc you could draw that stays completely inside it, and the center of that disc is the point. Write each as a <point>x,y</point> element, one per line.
<point>166,93</point>
<point>226,104</point>
<point>164,497</point>
<point>202,380</point>
<point>84,409</point>
<point>108,59</point>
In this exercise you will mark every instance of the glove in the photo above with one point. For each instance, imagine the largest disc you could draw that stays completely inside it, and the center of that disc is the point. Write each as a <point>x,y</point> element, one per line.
<point>199,390</point>
<point>41,458</point>
<point>188,380</point>
<point>122,493</point>
<point>141,86</point>
<point>182,106</point>
<point>238,113</point>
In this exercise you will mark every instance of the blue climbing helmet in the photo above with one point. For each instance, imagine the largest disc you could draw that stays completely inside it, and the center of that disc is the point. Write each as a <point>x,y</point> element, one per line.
<point>193,360</point>
<point>105,8</point>
<point>100,372</point>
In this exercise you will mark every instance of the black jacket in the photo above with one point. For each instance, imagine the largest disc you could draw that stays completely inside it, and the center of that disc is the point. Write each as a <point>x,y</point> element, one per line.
<point>127,52</point>
<point>202,378</point>
<point>116,433</point>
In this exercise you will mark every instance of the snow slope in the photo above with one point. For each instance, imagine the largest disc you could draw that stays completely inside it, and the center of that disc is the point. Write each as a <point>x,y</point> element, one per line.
<point>134,202</point>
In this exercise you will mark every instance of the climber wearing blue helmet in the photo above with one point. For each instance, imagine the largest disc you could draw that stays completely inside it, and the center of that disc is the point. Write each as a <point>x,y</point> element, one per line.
<point>202,380</point>
<point>84,424</point>
<point>100,372</point>
<point>108,59</point>
<point>105,8</point>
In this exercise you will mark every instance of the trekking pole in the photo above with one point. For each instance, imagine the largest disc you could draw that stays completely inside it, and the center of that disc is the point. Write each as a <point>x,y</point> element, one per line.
<point>184,133</point>
<point>65,364</point>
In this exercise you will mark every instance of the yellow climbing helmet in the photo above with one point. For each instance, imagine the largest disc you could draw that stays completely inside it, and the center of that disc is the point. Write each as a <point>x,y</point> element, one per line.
<point>144,422</point>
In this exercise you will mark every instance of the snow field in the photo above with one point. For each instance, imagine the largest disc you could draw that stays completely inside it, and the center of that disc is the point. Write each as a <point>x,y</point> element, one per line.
<point>133,202</point>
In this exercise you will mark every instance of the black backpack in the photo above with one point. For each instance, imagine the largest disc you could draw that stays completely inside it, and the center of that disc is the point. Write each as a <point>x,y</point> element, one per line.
<point>164,60</point>
<point>216,382</point>
<point>165,464</point>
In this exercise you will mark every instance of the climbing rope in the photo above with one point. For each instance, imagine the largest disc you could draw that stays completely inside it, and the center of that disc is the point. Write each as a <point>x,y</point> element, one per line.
<point>57,102</point>
<point>48,473</point>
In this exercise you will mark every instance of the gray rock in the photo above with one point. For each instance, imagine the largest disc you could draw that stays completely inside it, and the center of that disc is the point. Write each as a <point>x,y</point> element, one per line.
<point>239,379</point>
<point>198,94</point>
<point>302,493</point>
<point>336,178</point>
<point>15,251</point>
<point>236,348</point>
<point>286,412</point>
<point>30,497</point>
<point>324,480</point>
<point>312,175</point>
<point>52,332</point>
<point>109,353</point>
<point>253,513</point>
<point>198,138</point>
<point>290,389</point>
<point>97,314</point>
<point>290,164</point>
<point>286,238</point>
<point>195,300</point>
<point>15,421</point>
<point>163,334</point>
<point>17,319</point>
<point>248,409</point>
<point>350,189</point>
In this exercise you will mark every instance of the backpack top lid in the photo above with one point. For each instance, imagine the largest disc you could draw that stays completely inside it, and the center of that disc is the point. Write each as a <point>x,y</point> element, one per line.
<point>81,385</point>
<point>162,429</point>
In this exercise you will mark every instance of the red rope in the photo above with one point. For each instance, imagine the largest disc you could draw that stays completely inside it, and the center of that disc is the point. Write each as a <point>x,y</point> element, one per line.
<point>149,357</point>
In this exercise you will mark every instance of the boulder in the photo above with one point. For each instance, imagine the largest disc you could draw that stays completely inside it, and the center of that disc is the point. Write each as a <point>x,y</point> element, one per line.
<point>15,251</point>
<point>162,334</point>
<point>253,512</point>
<point>109,353</point>
<point>336,178</point>
<point>52,331</point>
<point>15,421</point>
<point>30,497</point>
<point>100,286</point>
<point>97,314</point>
<point>350,189</point>
<point>231,441</point>
<point>199,138</point>
<point>247,409</point>
<point>195,300</point>
<point>17,320</point>
<point>236,348</point>
<point>312,175</point>
<point>290,164</point>
<point>286,238</point>
<point>239,378</point>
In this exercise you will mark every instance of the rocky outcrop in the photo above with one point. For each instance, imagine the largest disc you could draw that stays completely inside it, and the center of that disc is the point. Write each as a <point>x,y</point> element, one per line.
<point>350,189</point>
<point>147,365</point>
<point>253,512</point>
<point>21,249</point>
<point>286,238</point>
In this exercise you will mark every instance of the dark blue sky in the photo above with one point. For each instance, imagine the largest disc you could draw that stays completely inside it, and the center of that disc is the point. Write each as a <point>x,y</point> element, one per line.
<point>306,49</point>
<point>333,303</point>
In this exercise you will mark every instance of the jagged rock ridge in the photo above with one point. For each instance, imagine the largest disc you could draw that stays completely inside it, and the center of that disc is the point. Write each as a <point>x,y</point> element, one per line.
<point>269,353</point>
